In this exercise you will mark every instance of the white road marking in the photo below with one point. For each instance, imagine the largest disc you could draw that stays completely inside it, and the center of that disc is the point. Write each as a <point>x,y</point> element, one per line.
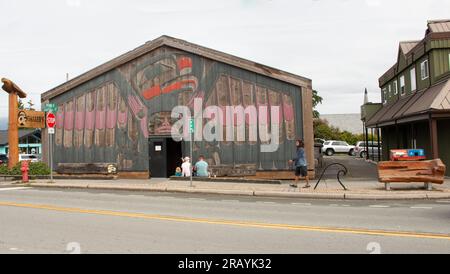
<point>336,205</point>
<point>421,207</point>
<point>15,249</point>
<point>230,201</point>
<point>13,188</point>
<point>443,201</point>
<point>302,204</point>
<point>270,203</point>
<point>379,206</point>
<point>196,199</point>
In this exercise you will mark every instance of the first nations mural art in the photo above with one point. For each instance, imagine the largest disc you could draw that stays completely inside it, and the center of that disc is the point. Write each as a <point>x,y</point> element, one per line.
<point>112,116</point>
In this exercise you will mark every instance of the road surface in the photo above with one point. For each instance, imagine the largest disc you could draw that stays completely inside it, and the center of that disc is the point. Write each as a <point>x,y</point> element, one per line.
<point>63,221</point>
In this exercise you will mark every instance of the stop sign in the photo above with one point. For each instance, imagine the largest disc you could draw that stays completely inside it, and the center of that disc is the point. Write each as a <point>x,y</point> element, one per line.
<point>51,120</point>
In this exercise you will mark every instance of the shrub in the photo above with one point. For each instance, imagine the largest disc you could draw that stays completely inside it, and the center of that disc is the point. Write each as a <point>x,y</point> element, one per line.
<point>38,168</point>
<point>4,169</point>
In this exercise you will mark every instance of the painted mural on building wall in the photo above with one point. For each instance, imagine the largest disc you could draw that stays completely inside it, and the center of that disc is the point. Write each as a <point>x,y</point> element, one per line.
<point>110,118</point>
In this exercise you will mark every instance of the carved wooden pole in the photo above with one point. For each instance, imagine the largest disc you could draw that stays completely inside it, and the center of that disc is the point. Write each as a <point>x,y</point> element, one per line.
<point>13,127</point>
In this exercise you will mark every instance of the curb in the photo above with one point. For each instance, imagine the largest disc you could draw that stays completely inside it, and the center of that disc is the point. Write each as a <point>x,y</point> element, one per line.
<point>274,194</point>
<point>361,196</point>
<point>300,195</point>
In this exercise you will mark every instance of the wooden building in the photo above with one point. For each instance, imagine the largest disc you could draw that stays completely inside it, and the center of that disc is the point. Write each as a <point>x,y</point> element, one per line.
<point>415,95</point>
<point>120,112</point>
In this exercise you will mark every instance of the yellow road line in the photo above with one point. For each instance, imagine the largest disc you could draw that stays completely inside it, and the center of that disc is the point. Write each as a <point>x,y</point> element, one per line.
<point>234,222</point>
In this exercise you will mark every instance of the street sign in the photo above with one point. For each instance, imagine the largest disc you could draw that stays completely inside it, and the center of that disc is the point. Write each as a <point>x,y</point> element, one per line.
<point>51,108</point>
<point>51,120</point>
<point>191,125</point>
<point>51,130</point>
<point>31,119</point>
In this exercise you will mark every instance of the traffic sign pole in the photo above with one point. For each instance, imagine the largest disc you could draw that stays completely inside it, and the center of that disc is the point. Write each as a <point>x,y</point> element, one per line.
<point>51,156</point>
<point>191,132</point>
<point>51,122</point>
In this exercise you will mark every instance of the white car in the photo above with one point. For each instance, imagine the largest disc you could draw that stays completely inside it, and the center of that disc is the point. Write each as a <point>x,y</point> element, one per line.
<point>331,147</point>
<point>29,157</point>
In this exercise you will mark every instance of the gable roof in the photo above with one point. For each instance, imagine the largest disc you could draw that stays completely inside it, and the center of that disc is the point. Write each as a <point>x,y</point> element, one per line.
<point>436,29</point>
<point>439,25</point>
<point>184,46</point>
<point>407,46</point>
<point>22,133</point>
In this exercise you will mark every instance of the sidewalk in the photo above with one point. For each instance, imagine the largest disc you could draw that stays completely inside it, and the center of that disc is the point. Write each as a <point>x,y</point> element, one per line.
<point>328,189</point>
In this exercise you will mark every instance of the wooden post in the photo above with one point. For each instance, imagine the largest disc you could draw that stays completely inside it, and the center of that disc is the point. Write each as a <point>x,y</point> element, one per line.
<point>379,145</point>
<point>434,138</point>
<point>13,131</point>
<point>13,127</point>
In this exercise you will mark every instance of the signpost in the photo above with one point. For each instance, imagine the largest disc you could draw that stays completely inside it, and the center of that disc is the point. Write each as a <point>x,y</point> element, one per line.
<point>13,125</point>
<point>31,119</point>
<point>51,122</point>
<point>191,132</point>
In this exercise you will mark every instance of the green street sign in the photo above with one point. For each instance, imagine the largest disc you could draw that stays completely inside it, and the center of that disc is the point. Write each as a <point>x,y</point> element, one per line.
<point>51,108</point>
<point>191,125</point>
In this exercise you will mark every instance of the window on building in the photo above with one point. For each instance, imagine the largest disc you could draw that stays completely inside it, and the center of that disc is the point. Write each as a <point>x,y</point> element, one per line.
<point>395,87</point>
<point>413,79</point>
<point>384,95</point>
<point>389,93</point>
<point>424,70</point>
<point>402,85</point>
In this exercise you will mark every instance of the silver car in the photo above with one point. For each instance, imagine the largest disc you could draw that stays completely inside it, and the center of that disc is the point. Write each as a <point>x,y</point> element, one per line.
<point>361,149</point>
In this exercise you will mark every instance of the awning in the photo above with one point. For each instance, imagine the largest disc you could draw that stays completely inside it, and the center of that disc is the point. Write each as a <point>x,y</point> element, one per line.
<point>435,98</point>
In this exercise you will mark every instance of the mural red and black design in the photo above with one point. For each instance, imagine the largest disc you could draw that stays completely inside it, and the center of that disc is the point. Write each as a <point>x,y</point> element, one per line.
<point>110,118</point>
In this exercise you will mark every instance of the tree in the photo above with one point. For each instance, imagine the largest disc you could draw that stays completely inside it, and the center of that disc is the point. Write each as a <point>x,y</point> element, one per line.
<point>20,105</point>
<point>323,130</point>
<point>316,100</point>
<point>30,105</point>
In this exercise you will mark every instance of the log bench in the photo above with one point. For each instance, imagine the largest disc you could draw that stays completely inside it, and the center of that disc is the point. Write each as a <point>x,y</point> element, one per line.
<point>427,172</point>
<point>240,170</point>
<point>87,168</point>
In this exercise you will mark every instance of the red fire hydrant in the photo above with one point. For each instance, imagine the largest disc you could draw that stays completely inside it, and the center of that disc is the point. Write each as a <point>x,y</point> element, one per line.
<point>24,170</point>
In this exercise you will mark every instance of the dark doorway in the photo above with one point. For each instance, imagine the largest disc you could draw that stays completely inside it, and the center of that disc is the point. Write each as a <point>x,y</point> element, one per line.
<point>164,156</point>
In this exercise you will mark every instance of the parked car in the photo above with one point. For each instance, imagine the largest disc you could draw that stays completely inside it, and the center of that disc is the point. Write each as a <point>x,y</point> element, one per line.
<point>360,149</point>
<point>3,159</point>
<point>331,147</point>
<point>319,141</point>
<point>29,157</point>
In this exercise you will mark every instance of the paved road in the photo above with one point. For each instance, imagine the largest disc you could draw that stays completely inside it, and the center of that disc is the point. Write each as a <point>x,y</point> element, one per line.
<point>357,168</point>
<point>54,221</point>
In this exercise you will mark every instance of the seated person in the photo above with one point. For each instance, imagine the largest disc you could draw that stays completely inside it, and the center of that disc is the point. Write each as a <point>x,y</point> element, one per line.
<point>178,172</point>
<point>201,167</point>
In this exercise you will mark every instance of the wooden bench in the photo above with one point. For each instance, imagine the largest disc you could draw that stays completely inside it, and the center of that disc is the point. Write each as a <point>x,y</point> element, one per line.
<point>87,168</point>
<point>428,172</point>
<point>240,170</point>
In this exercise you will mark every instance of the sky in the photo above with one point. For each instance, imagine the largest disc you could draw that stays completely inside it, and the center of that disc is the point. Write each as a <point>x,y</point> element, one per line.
<point>344,46</point>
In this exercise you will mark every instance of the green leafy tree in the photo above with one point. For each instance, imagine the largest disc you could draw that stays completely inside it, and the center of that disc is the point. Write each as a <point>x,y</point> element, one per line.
<point>30,105</point>
<point>323,130</point>
<point>316,100</point>
<point>20,104</point>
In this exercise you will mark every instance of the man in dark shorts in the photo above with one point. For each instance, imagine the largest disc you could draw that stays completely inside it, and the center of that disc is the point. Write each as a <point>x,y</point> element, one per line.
<point>300,165</point>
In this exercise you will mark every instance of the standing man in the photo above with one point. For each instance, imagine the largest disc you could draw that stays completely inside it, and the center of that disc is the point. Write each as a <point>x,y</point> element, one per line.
<point>300,164</point>
<point>201,167</point>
